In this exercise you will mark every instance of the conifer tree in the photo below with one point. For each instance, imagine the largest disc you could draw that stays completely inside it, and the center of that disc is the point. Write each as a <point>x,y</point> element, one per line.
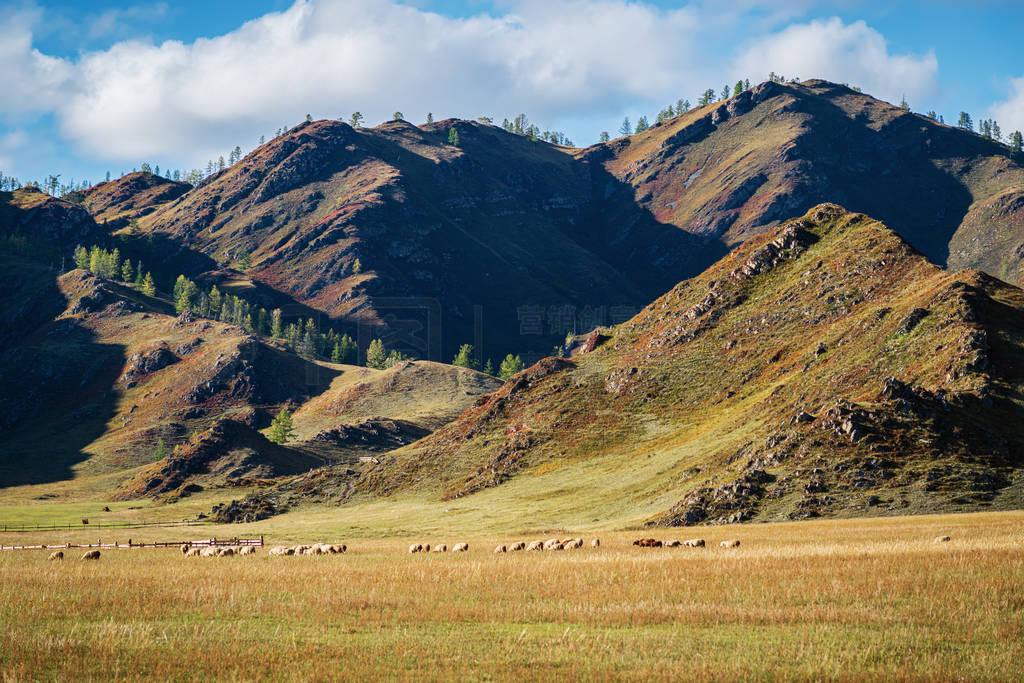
<point>96,260</point>
<point>355,119</point>
<point>464,358</point>
<point>489,367</point>
<point>127,274</point>
<point>357,267</point>
<point>81,257</point>
<point>626,128</point>
<point>510,366</point>
<point>394,358</point>
<point>1016,141</point>
<point>453,137</point>
<point>262,322</point>
<point>641,124</point>
<point>114,264</point>
<point>244,261</point>
<point>965,121</point>
<point>148,286</point>
<point>737,89</point>
<point>275,323</point>
<point>376,358</point>
<point>604,136</point>
<point>281,427</point>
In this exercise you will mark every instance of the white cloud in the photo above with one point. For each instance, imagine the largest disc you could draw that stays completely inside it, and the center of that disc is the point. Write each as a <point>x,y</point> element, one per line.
<point>138,100</point>
<point>1010,112</point>
<point>853,53</point>
<point>29,80</point>
<point>566,63</point>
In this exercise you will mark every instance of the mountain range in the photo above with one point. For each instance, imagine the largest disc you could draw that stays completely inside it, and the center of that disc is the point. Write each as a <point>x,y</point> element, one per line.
<point>835,327</point>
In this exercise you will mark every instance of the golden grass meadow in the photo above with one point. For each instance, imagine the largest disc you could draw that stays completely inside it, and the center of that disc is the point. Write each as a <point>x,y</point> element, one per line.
<point>868,598</point>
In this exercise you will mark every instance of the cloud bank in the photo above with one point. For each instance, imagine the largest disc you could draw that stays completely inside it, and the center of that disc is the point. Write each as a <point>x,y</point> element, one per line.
<point>563,62</point>
<point>1010,112</point>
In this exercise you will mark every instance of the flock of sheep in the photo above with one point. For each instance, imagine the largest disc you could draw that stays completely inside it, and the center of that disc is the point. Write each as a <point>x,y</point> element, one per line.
<point>189,550</point>
<point>550,544</point>
<point>315,549</point>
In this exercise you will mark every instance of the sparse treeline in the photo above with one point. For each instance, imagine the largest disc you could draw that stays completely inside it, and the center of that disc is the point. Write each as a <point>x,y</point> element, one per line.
<point>520,125</point>
<point>466,358</point>
<point>987,128</point>
<point>108,264</point>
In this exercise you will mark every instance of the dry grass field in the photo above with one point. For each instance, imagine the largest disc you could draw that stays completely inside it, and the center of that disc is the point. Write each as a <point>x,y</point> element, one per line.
<point>874,598</point>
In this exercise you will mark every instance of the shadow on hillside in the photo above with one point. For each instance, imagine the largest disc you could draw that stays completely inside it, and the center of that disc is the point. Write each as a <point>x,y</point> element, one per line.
<point>58,395</point>
<point>886,174</point>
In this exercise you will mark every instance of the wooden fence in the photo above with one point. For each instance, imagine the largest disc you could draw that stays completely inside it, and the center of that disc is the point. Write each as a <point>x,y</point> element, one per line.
<point>20,528</point>
<point>202,543</point>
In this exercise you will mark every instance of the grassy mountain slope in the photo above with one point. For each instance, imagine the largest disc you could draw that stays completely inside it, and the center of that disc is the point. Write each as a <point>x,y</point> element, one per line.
<point>436,228</point>
<point>731,169</point>
<point>502,222</point>
<point>130,196</point>
<point>104,373</point>
<point>823,368</point>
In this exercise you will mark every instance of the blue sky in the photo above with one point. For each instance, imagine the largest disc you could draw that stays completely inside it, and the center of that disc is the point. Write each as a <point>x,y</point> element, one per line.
<point>105,86</point>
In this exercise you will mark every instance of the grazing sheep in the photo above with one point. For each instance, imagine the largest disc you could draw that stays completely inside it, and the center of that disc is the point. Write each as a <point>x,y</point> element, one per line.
<point>281,550</point>
<point>440,548</point>
<point>647,543</point>
<point>694,543</point>
<point>91,555</point>
<point>193,552</point>
<point>500,549</point>
<point>730,544</point>
<point>567,541</point>
<point>596,543</point>
<point>460,547</point>
<point>225,552</point>
<point>535,545</point>
<point>552,543</point>
<point>339,548</point>
<point>941,539</point>
<point>572,543</point>
<point>184,548</point>
<point>426,547</point>
<point>301,549</point>
<point>247,550</point>
<point>415,548</point>
<point>208,552</point>
<point>56,556</point>
<point>521,545</point>
<point>672,543</point>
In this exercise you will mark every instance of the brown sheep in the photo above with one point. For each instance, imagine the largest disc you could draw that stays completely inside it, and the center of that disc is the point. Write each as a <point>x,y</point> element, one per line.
<point>573,543</point>
<point>566,541</point>
<point>941,539</point>
<point>647,543</point>
<point>184,548</point>
<point>440,548</point>
<point>694,543</point>
<point>535,545</point>
<point>460,547</point>
<point>91,555</point>
<point>416,548</point>
<point>500,549</point>
<point>596,543</point>
<point>520,545</point>
<point>730,544</point>
<point>56,556</point>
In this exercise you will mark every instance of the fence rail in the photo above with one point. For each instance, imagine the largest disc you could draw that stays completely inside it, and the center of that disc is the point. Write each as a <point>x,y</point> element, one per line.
<point>20,528</point>
<point>201,543</point>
